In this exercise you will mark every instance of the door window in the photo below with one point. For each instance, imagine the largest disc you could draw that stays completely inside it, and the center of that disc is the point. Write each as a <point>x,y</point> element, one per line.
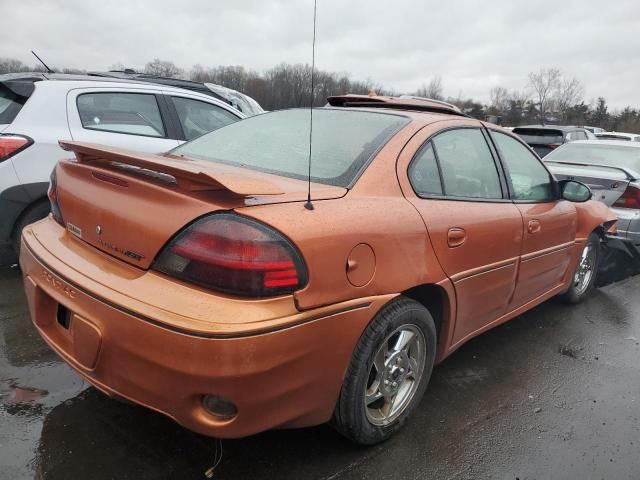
<point>132,113</point>
<point>467,166</point>
<point>198,118</point>
<point>423,172</point>
<point>530,180</point>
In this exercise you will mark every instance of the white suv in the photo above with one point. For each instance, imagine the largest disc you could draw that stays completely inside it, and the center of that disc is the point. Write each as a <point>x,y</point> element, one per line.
<point>37,110</point>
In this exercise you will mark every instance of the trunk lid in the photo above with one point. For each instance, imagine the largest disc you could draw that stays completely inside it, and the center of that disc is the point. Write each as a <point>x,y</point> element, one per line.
<point>607,183</point>
<point>129,204</point>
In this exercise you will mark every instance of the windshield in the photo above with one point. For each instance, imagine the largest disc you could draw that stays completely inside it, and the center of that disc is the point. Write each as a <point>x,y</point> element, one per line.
<point>607,155</point>
<point>343,143</point>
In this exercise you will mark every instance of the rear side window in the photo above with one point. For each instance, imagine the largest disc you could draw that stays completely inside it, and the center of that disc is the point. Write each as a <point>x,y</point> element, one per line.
<point>530,180</point>
<point>132,113</point>
<point>467,166</point>
<point>423,172</point>
<point>198,118</point>
<point>10,105</point>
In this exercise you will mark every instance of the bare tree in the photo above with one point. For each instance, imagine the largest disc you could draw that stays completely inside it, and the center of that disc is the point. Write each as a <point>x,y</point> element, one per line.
<point>162,68</point>
<point>499,97</point>
<point>432,90</point>
<point>570,92</point>
<point>544,84</point>
<point>11,65</point>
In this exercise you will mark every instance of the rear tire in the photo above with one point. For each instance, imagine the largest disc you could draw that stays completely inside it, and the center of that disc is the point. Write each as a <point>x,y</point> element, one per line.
<point>33,213</point>
<point>388,373</point>
<point>584,276</point>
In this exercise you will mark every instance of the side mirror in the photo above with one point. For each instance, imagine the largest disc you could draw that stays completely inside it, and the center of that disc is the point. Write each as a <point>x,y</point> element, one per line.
<point>575,191</point>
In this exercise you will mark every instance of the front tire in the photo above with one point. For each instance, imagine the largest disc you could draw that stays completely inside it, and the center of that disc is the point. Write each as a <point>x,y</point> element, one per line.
<point>388,373</point>
<point>584,276</point>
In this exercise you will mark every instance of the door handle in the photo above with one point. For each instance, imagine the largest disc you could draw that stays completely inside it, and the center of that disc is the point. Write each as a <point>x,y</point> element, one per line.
<point>534,226</point>
<point>456,237</point>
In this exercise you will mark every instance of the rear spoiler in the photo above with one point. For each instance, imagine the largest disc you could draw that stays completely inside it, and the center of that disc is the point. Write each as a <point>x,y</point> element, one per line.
<point>628,173</point>
<point>22,87</point>
<point>188,174</point>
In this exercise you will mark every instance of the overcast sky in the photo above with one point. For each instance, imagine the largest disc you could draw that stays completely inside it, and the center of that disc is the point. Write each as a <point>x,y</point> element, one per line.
<point>400,44</point>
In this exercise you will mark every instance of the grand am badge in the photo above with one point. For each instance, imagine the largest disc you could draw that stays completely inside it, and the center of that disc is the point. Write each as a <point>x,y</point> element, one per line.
<point>77,231</point>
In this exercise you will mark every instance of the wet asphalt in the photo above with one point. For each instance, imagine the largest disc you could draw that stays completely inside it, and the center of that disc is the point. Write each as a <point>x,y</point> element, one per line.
<point>553,394</point>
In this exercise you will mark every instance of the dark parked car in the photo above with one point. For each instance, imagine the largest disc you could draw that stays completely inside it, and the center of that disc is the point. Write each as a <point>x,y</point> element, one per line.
<point>545,139</point>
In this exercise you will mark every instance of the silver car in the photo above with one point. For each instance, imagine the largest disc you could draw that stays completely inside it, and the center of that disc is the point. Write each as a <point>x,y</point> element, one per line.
<point>611,168</point>
<point>37,110</point>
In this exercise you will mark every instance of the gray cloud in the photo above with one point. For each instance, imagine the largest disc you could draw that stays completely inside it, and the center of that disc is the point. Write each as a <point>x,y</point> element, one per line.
<point>401,44</point>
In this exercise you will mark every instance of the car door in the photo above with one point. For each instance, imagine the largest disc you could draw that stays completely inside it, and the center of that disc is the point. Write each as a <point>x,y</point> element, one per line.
<point>197,117</point>
<point>134,119</point>
<point>456,185</point>
<point>549,222</point>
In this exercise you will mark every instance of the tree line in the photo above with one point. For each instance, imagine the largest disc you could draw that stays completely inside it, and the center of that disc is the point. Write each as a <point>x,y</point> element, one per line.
<point>549,97</point>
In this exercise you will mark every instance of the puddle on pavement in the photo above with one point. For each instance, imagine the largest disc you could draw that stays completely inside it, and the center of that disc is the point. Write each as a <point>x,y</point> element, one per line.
<point>53,424</point>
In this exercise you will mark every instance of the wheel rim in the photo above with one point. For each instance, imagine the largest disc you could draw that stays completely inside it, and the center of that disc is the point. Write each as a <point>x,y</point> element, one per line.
<point>395,374</point>
<point>585,270</point>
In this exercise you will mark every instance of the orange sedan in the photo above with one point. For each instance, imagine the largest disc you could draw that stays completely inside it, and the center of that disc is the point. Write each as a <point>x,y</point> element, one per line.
<point>203,285</point>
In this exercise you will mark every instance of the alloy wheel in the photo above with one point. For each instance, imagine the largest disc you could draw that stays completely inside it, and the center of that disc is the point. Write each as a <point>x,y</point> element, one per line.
<point>395,374</point>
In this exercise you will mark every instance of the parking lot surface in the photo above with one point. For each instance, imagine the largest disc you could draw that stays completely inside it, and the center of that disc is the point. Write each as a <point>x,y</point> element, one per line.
<point>554,393</point>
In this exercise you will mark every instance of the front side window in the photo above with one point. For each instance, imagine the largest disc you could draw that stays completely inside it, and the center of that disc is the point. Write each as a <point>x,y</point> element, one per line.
<point>198,118</point>
<point>467,166</point>
<point>132,113</point>
<point>530,180</point>
<point>343,143</point>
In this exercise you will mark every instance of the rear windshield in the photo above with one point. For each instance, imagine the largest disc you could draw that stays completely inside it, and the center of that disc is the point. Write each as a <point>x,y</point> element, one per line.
<point>10,105</point>
<point>607,155</point>
<point>542,136</point>
<point>343,143</point>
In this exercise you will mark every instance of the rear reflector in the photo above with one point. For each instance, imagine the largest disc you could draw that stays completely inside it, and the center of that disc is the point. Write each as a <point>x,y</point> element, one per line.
<point>12,144</point>
<point>629,199</point>
<point>236,255</point>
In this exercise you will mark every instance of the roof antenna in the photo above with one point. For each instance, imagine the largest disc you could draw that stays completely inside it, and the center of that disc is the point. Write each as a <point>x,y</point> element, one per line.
<point>309,205</point>
<point>40,60</point>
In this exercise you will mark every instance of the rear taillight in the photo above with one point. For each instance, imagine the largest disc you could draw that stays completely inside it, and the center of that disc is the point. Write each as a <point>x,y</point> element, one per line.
<point>629,199</point>
<point>11,144</point>
<point>52,193</point>
<point>235,255</point>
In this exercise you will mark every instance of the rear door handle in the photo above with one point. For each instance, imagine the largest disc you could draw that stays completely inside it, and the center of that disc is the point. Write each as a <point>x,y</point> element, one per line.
<point>534,226</point>
<point>456,237</point>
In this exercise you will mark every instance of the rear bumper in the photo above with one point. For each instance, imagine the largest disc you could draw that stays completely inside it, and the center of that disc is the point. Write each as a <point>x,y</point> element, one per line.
<point>621,258</point>
<point>628,224</point>
<point>623,244</point>
<point>287,377</point>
